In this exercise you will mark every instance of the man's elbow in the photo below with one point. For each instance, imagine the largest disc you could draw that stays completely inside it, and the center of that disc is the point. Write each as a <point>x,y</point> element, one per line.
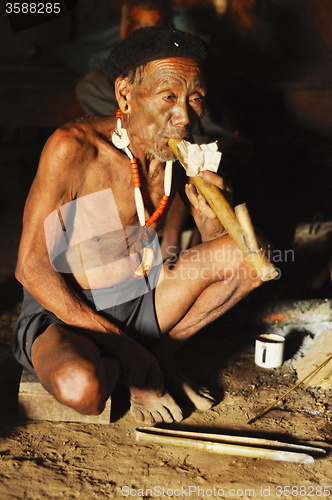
<point>20,273</point>
<point>24,273</point>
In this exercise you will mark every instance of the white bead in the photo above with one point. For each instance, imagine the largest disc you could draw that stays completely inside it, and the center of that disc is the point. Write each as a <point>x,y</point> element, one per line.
<point>168,177</point>
<point>139,206</point>
<point>129,153</point>
<point>120,138</point>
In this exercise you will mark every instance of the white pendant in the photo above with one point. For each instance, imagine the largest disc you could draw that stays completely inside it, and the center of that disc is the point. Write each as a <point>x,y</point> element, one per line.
<point>139,206</point>
<point>120,138</point>
<point>168,178</point>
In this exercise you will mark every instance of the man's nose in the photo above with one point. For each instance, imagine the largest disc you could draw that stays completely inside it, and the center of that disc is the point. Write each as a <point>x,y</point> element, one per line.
<point>181,114</point>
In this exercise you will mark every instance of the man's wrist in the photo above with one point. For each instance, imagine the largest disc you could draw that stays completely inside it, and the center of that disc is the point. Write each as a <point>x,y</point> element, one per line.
<point>211,235</point>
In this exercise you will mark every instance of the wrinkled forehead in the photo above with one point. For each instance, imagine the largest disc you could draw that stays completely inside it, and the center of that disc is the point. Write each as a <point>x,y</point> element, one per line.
<point>177,68</point>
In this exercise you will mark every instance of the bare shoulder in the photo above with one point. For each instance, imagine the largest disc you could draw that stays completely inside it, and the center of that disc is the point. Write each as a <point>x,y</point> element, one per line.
<point>71,144</point>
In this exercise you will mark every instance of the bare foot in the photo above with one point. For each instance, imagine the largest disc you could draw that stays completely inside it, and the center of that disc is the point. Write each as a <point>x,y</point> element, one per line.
<point>184,388</point>
<point>180,386</point>
<point>147,407</point>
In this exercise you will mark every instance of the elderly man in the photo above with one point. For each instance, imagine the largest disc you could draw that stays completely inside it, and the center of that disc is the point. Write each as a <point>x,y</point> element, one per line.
<point>99,306</point>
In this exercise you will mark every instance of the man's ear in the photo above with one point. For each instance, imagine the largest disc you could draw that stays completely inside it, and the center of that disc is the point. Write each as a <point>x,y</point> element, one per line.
<point>123,93</point>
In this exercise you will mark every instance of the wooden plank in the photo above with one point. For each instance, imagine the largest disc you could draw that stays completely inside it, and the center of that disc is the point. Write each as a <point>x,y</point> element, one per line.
<point>36,403</point>
<point>316,355</point>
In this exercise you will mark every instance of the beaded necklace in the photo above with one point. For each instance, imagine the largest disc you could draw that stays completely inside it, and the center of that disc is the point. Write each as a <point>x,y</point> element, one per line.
<point>121,141</point>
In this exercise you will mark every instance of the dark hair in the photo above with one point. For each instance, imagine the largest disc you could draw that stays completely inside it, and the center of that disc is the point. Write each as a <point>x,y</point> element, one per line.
<point>149,44</point>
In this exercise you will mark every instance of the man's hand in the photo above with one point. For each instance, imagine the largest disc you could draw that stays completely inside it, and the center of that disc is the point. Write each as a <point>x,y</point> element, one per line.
<point>207,222</point>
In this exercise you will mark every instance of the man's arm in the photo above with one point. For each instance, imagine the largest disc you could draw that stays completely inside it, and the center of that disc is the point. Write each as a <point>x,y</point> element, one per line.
<point>58,181</point>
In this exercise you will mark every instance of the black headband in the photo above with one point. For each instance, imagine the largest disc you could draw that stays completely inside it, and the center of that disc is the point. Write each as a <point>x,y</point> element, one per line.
<point>149,44</point>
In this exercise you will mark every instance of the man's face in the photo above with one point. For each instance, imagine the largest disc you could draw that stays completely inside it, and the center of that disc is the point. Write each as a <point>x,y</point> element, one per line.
<point>167,103</point>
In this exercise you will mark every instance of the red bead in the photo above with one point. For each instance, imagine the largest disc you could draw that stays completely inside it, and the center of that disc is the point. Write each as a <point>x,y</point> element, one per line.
<point>137,184</point>
<point>118,114</point>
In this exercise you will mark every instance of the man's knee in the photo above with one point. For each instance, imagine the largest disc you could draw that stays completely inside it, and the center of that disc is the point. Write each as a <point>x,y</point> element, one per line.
<point>79,386</point>
<point>231,265</point>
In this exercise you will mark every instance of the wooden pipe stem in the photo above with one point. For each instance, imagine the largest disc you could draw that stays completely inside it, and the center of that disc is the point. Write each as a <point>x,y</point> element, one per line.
<point>243,217</point>
<point>225,213</point>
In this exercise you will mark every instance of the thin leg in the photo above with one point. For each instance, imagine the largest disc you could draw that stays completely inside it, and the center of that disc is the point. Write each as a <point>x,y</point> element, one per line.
<point>205,282</point>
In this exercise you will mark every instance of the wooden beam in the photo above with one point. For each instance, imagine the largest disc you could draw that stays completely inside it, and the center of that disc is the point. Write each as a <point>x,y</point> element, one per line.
<point>316,355</point>
<point>36,403</point>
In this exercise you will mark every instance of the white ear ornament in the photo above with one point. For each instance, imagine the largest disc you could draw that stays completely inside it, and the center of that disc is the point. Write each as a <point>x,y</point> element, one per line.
<point>120,138</point>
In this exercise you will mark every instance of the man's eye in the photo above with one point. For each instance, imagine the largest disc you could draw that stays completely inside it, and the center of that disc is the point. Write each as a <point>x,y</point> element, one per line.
<point>169,97</point>
<point>197,99</point>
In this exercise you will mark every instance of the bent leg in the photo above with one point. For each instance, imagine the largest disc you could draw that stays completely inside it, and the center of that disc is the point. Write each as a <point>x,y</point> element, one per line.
<point>202,285</point>
<point>71,368</point>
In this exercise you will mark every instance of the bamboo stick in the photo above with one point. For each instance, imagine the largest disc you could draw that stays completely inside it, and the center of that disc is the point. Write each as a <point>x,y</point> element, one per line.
<point>225,448</point>
<point>225,213</point>
<point>260,414</point>
<point>226,438</point>
<point>243,217</point>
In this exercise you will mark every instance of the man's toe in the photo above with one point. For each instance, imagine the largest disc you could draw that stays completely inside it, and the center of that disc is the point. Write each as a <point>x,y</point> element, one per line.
<point>136,412</point>
<point>160,416</point>
<point>172,408</point>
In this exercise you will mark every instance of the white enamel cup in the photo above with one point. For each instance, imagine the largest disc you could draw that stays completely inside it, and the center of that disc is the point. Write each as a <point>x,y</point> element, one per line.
<point>269,350</point>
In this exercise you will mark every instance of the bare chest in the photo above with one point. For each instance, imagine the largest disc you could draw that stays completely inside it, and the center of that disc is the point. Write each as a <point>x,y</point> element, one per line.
<point>108,196</point>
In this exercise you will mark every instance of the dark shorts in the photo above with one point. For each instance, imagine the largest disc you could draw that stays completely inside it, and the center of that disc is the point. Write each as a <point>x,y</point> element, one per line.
<point>136,317</point>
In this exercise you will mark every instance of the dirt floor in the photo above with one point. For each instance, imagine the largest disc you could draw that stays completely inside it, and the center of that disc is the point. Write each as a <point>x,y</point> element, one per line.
<point>51,460</point>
